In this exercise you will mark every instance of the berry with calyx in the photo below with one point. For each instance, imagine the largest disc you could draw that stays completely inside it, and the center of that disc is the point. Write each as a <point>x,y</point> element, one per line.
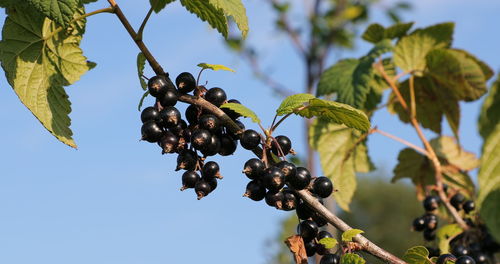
<point>330,259</point>
<point>429,235</point>
<point>241,126</point>
<point>150,114</point>
<point>250,139</point>
<point>211,170</point>
<point>231,113</point>
<point>213,146</point>
<point>322,186</point>
<point>216,96</point>
<point>310,248</point>
<point>227,145</point>
<point>189,179</point>
<point>300,180</point>
<point>273,179</point>
<point>457,200</point>
<point>185,82</point>
<point>308,230</point>
<point>275,199</point>
<point>303,211</point>
<point>460,250</point>
<point>431,203</point>
<point>169,98</point>
<point>200,139</point>
<point>168,142</point>
<point>469,206</point>
<point>465,260</point>
<point>186,160</point>
<point>290,200</point>
<point>202,189</point>
<point>209,122</point>
<point>431,221</point>
<point>255,191</point>
<point>151,132</point>
<point>284,143</point>
<point>419,224</point>
<point>254,168</point>
<point>288,168</point>
<point>170,116</point>
<point>444,258</point>
<point>178,129</point>
<point>157,86</point>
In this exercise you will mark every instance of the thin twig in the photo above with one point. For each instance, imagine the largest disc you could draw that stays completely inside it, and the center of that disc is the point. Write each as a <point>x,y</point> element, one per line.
<point>413,109</point>
<point>400,140</point>
<point>143,25</point>
<point>291,32</point>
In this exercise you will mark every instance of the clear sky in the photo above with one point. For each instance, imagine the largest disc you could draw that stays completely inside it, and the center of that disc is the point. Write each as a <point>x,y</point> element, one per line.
<point>117,200</point>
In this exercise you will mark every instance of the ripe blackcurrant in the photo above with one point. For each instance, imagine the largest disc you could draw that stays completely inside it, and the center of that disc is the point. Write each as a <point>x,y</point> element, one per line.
<point>231,113</point>
<point>202,189</point>
<point>185,82</point>
<point>284,143</point>
<point>444,258</point>
<point>228,145</point>
<point>465,260</point>
<point>300,180</point>
<point>250,139</point>
<point>186,160</point>
<point>211,170</point>
<point>431,203</point>
<point>431,221</point>
<point>213,146</point>
<point>303,211</point>
<point>150,114</point>
<point>179,128</point>
<point>168,142</point>
<point>322,186</point>
<point>209,122</point>
<point>189,179</point>
<point>469,206</point>
<point>460,250</point>
<point>288,168</point>
<point>433,252</point>
<point>170,116</point>
<point>157,86</point>
<point>255,191</point>
<point>212,182</point>
<point>429,235</point>
<point>419,224</point>
<point>330,259</point>
<point>241,126</point>
<point>151,132</point>
<point>320,221</point>
<point>169,98</point>
<point>308,230</point>
<point>254,168</point>
<point>192,114</point>
<point>321,250</point>
<point>457,200</point>
<point>324,234</point>
<point>310,248</point>
<point>481,258</point>
<point>290,200</point>
<point>273,179</point>
<point>275,199</point>
<point>216,96</point>
<point>200,139</point>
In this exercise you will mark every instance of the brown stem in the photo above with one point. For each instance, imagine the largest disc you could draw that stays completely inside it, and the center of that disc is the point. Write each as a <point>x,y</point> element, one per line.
<point>400,140</point>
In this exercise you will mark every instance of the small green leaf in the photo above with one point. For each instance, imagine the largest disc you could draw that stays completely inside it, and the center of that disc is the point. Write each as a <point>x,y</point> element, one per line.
<point>242,110</point>
<point>60,11</point>
<point>142,100</point>
<point>141,62</point>
<point>397,30</point>
<point>215,67</point>
<point>328,242</point>
<point>292,102</point>
<point>159,5</point>
<point>236,10</point>
<point>374,33</point>
<point>348,235</point>
<point>351,258</point>
<point>417,255</point>
<point>490,111</point>
<point>445,234</point>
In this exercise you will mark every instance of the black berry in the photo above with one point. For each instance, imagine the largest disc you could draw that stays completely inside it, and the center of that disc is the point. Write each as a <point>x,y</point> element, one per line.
<point>250,139</point>
<point>431,221</point>
<point>300,180</point>
<point>322,186</point>
<point>284,143</point>
<point>185,82</point>
<point>169,98</point>
<point>213,146</point>
<point>170,116</point>
<point>275,199</point>
<point>310,248</point>
<point>202,189</point>
<point>151,131</point>
<point>431,203</point>
<point>460,250</point>
<point>211,170</point>
<point>228,145</point>
<point>209,122</point>
<point>330,259</point>
<point>465,260</point>
<point>254,168</point>
<point>273,179</point>
<point>192,114</point>
<point>189,179</point>
<point>168,142</point>
<point>255,191</point>
<point>150,114</point>
<point>186,160</point>
<point>303,211</point>
<point>429,235</point>
<point>178,129</point>
<point>469,206</point>
<point>457,200</point>
<point>216,96</point>
<point>200,139</point>
<point>444,258</point>
<point>290,200</point>
<point>419,224</point>
<point>308,230</point>
<point>288,169</point>
<point>157,86</point>
<point>241,126</point>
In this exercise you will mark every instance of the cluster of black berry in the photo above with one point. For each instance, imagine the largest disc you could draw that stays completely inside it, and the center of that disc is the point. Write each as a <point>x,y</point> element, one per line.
<point>429,221</point>
<point>203,134</point>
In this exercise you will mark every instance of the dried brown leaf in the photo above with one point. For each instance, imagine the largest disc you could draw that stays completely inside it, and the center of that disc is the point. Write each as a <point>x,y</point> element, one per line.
<point>296,245</point>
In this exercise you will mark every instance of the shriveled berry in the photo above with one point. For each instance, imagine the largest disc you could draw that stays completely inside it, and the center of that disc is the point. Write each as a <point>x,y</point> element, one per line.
<point>185,82</point>
<point>275,199</point>
<point>469,206</point>
<point>216,96</point>
<point>213,146</point>
<point>457,200</point>
<point>465,260</point>
<point>151,132</point>
<point>150,114</point>
<point>192,114</point>
<point>170,116</point>
<point>200,139</point>
<point>444,258</point>
<point>157,85</point>
<point>186,160</point>
<point>330,259</point>
<point>250,139</point>
<point>255,191</point>
<point>231,113</point>
<point>211,170</point>
<point>290,200</point>
<point>288,168</point>
<point>168,142</point>
<point>169,98</point>
<point>254,168</point>
<point>228,145</point>
<point>273,179</point>
<point>284,144</point>
<point>308,230</point>
<point>322,186</point>
<point>431,203</point>
<point>209,122</point>
<point>300,180</point>
<point>419,224</point>
<point>189,179</point>
<point>202,189</point>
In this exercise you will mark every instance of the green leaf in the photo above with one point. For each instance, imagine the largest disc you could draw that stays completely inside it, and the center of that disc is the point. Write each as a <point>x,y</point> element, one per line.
<point>141,62</point>
<point>236,10</point>
<point>142,100</point>
<point>348,235</point>
<point>339,156</point>
<point>337,113</point>
<point>242,110</point>
<point>38,64</point>
<point>209,13</point>
<point>159,5</point>
<point>397,30</point>
<point>447,148</point>
<point>445,234</point>
<point>374,33</point>
<point>441,33</point>
<point>60,11</point>
<point>487,71</point>
<point>461,75</point>
<point>292,102</point>
<point>417,255</point>
<point>489,183</point>
<point>9,3</point>
<point>215,67</point>
<point>328,242</point>
<point>351,258</point>
<point>490,111</point>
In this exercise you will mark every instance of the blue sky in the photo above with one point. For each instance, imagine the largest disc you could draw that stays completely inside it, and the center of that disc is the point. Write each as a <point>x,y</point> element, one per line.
<point>116,200</point>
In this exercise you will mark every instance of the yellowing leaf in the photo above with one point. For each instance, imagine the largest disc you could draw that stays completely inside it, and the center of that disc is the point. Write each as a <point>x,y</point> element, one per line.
<point>215,67</point>
<point>328,242</point>
<point>242,110</point>
<point>348,235</point>
<point>417,255</point>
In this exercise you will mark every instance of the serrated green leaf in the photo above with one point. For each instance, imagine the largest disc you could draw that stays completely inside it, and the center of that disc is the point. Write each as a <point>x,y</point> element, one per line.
<point>328,242</point>
<point>142,100</point>
<point>159,5</point>
<point>60,11</point>
<point>337,113</point>
<point>351,258</point>
<point>490,111</point>
<point>417,255</point>
<point>348,235</point>
<point>38,64</point>
<point>397,30</point>
<point>10,3</point>
<point>445,234</point>
<point>236,10</point>
<point>214,67</point>
<point>242,110</point>
<point>374,33</point>
<point>447,148</point>
<point>441,33</point>
<point>292,102</point>
<point>141,62</point>
<point>339,157</point>
<point>209,13</point>
<point>487,71</point>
